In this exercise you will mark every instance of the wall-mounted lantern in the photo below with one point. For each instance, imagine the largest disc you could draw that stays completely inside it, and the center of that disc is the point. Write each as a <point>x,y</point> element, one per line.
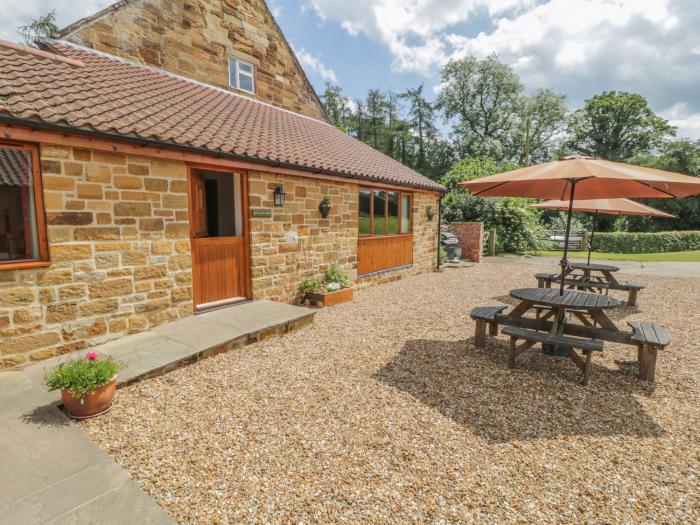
<point>279,196</point>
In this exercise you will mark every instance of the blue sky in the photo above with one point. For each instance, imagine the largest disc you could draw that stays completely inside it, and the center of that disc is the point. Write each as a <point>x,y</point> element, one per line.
<point>577,47</point>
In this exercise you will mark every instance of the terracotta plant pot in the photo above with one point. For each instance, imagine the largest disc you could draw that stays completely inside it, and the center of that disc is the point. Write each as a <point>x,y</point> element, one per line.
<point>91,404</point>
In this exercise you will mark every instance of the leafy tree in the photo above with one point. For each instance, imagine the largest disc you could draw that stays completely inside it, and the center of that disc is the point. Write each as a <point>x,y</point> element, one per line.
<point>480,97</point>
<point>541,117</point>
<point>38,28</point>
<point>617,126</point>
<point>682,156</point>
<point>470,169</point>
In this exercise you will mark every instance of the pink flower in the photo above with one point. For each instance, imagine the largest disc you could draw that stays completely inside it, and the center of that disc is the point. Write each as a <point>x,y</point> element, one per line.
<point>91,356</point>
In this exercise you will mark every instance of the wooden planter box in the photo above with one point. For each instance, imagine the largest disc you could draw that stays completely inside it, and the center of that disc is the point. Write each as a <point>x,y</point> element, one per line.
<point>343,295</point>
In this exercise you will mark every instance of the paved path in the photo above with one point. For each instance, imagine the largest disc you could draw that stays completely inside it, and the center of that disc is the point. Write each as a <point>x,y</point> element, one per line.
<point>51,473</point>
<point>666,269</point>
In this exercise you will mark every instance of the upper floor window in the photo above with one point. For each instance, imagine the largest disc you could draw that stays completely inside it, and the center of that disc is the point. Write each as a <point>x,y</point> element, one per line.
<point>384,212</point>
<point>241,75</point>
<point>22,227</point>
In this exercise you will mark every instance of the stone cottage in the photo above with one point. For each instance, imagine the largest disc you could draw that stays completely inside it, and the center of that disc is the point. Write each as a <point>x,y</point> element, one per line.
<point>166,156</point>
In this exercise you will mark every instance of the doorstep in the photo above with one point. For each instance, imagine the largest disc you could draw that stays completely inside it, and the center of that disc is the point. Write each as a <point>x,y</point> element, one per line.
<point>52,473</point>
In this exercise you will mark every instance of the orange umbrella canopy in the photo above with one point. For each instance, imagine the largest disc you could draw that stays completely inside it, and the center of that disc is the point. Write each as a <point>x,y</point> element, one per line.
<point>595,179</point>
<point>609,206</point>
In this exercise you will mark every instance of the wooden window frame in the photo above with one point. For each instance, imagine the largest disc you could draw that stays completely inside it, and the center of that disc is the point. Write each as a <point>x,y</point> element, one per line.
<point>401,194</point>
<point>40,214</point>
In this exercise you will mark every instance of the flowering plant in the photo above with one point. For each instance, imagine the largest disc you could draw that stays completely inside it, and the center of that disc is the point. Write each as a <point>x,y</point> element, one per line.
<point>83,375</point>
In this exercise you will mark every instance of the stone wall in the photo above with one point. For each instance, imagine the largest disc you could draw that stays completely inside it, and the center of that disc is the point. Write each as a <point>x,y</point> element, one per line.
<point>296,243</point>
<point>118,231</point>
<point>195,38</point>
<point>118,235</point>
<point>471,238</point>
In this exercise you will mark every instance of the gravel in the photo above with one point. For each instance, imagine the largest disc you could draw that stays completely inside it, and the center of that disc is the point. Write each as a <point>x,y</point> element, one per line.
<point>383,411</point>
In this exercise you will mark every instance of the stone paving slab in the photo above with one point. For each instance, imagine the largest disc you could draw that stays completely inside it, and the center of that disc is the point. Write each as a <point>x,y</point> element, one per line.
<point>51,473</point>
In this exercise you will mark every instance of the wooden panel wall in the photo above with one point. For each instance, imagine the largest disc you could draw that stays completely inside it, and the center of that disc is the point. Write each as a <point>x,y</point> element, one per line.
<point>382,253</point>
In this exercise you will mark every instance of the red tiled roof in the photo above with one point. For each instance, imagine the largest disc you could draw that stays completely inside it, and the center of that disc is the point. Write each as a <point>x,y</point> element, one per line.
<point>111,95</point>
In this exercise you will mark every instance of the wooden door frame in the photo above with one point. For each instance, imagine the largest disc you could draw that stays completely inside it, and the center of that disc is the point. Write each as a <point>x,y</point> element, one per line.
<point>191,168</point>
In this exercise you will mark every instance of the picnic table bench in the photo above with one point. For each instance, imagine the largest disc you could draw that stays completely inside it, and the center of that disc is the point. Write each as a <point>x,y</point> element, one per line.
<point>588,308</point>
<point>591,276</point>
<point>568,343</point>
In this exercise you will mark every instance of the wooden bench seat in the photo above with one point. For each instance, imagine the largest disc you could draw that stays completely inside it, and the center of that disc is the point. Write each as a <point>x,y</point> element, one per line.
<point>649,338</point>
<point>483,315</point>
<point>588,346</point>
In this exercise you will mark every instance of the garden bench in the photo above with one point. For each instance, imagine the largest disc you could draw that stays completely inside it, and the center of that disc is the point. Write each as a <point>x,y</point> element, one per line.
<point>484,315</point>
<point>530,337</point>
<point>649,338</point>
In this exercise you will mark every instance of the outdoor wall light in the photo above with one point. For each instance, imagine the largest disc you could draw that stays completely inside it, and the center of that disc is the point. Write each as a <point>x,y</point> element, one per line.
<point>279,196</point>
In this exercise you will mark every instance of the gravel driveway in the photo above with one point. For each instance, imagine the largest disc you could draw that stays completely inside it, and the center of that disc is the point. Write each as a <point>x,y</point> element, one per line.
<point>383,411</point>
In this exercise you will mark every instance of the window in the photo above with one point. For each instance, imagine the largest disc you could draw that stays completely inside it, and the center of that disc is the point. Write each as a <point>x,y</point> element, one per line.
<point>365,219</point>
<point>241,75</point>
<point>22,228</point>
<point>384,212</point>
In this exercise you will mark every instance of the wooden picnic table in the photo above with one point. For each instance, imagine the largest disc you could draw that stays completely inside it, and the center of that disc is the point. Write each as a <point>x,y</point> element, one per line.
<point>553,327</point>
<point>593,272</point>
<point>591,276</point>
<point>576,303</point>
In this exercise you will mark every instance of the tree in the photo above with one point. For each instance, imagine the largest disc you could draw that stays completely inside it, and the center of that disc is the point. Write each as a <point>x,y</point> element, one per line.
<point>421,117</point>
<point>617,126</point>
<point>682,156</point>
<point>38,28</point>
<point>541,117</point>
<point>481,97</point>
<point>335,105</point>
<point>470,169</point>
<point>376,114</point>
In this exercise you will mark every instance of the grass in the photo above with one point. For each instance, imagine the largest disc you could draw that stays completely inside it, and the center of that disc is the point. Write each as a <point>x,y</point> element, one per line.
<point>689,256</point>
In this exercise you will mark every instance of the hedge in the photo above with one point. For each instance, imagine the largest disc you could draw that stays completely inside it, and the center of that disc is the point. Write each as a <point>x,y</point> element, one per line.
<point>653,242</point>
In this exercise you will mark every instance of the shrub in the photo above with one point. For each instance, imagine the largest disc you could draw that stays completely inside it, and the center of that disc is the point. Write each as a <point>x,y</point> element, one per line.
<point>517,226</point>
<point>656,242</point>
<point>80,376</point>
<point>309,286</point>
<point>334,275</point>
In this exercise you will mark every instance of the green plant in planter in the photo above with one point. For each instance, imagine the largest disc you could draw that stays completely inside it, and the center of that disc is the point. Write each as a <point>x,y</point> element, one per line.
<point>80,376</point>
<point>335,276</point>
<point>430,212</point>
<point>309,286</point>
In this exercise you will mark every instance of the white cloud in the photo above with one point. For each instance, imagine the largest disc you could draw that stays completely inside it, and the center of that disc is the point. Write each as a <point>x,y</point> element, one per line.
<point>67,12</point>
<point>309,61</point>
<point>579,47</point>
<point>681,116</point>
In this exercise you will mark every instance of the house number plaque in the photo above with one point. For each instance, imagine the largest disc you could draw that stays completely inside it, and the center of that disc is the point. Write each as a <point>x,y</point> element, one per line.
<point>261,213</point>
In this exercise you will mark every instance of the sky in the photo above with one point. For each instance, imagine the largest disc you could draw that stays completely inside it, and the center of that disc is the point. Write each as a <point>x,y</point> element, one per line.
<point>575,47</point>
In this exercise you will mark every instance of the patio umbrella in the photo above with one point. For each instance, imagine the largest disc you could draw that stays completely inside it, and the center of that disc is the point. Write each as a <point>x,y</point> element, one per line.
<point>584,178</point>
<point>606,206</point>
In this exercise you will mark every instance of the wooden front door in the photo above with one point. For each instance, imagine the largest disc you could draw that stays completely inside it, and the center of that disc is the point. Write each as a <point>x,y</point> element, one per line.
<point>219,235</point>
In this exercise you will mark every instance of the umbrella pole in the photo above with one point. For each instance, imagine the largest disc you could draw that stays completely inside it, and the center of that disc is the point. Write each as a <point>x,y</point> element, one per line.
<point>590,242</point>
<point>564,260</point>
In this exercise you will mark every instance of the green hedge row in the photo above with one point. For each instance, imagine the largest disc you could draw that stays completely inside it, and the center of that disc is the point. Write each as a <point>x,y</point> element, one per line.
<point>654,242</point>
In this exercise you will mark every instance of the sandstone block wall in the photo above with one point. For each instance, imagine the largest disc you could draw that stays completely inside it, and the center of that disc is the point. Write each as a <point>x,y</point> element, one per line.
<point>296,243</point>
<point>195,38</point>
<point>471,237</point>
<point>119,244</point>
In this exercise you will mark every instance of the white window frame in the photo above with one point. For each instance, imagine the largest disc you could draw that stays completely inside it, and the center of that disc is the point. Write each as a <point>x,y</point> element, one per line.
<point>235,62</point>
